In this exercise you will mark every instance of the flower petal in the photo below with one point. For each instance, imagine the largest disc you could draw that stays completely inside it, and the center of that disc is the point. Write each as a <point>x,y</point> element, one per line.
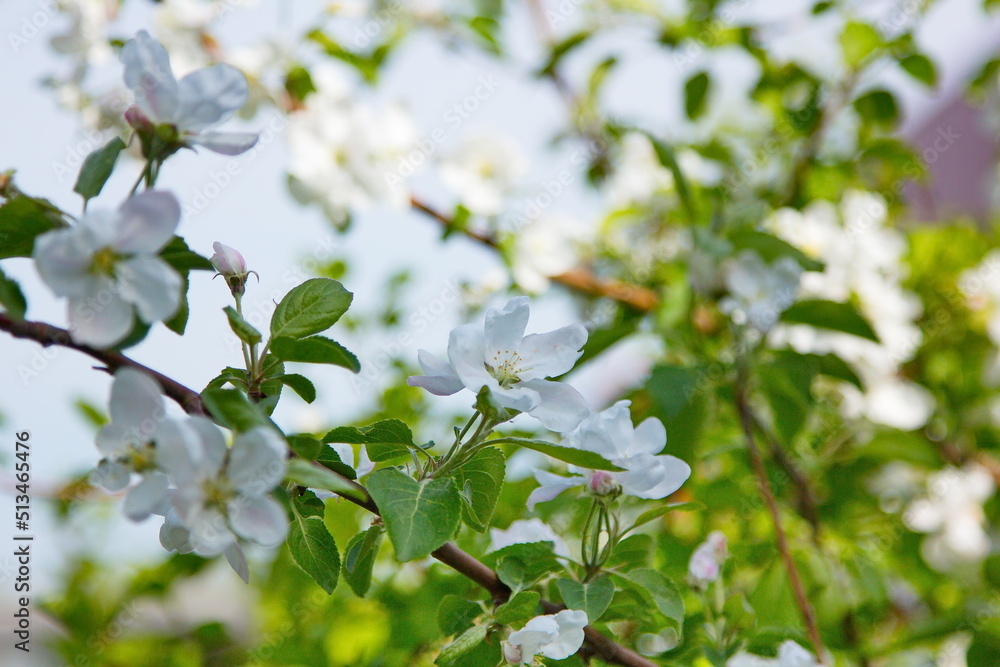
<point>256,462</point>
<point>101,319</point>
<point>551,486</point>
<point>570,638</point>
<point>553,353</point>
<point>174,536</point>
<point>237,561</point>
<point>152,285</point>
<point>136,409</point>
<point>224,143</point>
<point>149,77</point>
<point>504,327</point>
<point>111,475</point>
<point>561,408</point>
<point>261,520</point>
<point>145,497</point>
<point>210,533</point>
<point>210,96</point>
<point>652,477</point>
<point>146,222</point>
<point>63,259</point>
<point>439,378</point>
<point>465,351</point>
<point>650,438</point>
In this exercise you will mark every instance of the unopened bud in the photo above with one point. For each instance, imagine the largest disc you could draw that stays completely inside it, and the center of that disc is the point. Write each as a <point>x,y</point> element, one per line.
<point>707,559</point>
<point>604,484</point>
<point>511,653</point>
<point>231,266</point>
<point>137,119</point>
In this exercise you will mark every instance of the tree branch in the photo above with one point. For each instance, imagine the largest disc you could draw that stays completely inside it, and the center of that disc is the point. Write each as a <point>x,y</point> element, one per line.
<point>636,297</point>
<point>801,600</point>
<point>449,554</point>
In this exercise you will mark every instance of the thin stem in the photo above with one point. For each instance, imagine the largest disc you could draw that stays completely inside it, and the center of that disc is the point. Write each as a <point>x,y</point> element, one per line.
<point>139,180</point>
<point>760,472</point>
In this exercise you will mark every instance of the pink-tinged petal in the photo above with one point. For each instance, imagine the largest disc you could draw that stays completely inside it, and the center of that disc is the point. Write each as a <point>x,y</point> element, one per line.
<point>152,285</point>
<point>210,96</point>
<point>145,497</point>
<point>100,319</point>
<point>149,77</point>
<point>551,486</point>
<point>228,261</point>
<point>553,353</point>
<point>136,406</point>
<point>63,258</point>
<point>260,520</point>
<point>504,327</point>
<point>224,143</point>
<point>561,407</point>
<point>650,438</point>
<point>256,461</point>
<point>237,561</point>
<point>439,378</point>
<point>147,222</point>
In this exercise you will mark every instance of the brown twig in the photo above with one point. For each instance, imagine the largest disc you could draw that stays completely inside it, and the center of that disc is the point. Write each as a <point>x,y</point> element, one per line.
<point>449,554</point>
<point>757,462</point>
<point>636,297</point>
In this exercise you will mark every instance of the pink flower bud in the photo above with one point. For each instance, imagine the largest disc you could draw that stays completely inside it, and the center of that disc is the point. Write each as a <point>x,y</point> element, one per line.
<point>137,120</point>
<point>511,653</point>
<point>707,559</point>
<point>604,483</point>
<point>228,261</point>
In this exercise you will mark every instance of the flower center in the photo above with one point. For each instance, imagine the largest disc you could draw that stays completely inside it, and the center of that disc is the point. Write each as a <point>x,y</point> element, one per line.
<point>507,367</point>
<point>217,492</point>
<point>141,457</point>
<point>103,262</point>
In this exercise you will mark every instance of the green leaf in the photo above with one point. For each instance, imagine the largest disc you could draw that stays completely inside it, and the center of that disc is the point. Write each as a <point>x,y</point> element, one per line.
<point>561,49</point>
<point>12,298</point>
<point>243,330</point>
<point>632,552</point>
<point>314,476</point>
<point>419,516</point>
<point>830,315</point>
<point>657,512</point>
<point>384,439</point>
<point>21,220</point>
<point>859,40</point>
<point>304,446</point>
<point>833,366</point>
<point>696,95</point>
<point>310,308</point>
<point>359,559</point>
<point>523,563</point>
<point>313,549</point>
<point>662,591</point>
<point>479,483</point>
<point>314,350</point>
<point>878,106</point>
<point>921,68</point>
<point>787,384</point>
<point>593,597</point>
<point>520,607</point>
<point>456,615</point>
<point>465,642</point>
<point>178,255</point>
<point>308,504</point>
<point>577,457</point>
<point>232,409</point>
<point>300,385</point>
<point>771,248</point>
<point>178,321</point>
<point>97,168</point>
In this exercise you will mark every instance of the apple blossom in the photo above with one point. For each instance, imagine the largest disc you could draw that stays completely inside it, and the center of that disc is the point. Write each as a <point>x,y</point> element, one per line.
<point>790,654</point>
<point>187,108</point>
<point>222,493</point>
<point>706,561</point>
<point>758,293</point>
<point>231,266</point>
<point>107,265</point>
<point>513,366</point>
<point>554,636</point>
<point>647,474</point>
<point>483,170</point>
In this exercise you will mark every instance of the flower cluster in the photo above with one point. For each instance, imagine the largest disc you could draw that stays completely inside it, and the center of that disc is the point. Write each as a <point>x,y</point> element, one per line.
<point>212,497</point>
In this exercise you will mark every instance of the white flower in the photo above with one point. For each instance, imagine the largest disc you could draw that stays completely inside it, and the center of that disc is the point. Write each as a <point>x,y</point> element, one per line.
<point>483,170</point>
<point>545,247</point>
<point>513,366</point>
<point>127,443</point>
<point>554,636</point>
<point>647,473</point>
<point>706,561</point>
<point>222,492</point>
<point>790,654</point>
<point>638,174</point>
<point>758,292</point>
<point>199,101</point>
<point>345,156</point>
<point>952,512</point>
<point>524,531</point>
<point>107,266</point>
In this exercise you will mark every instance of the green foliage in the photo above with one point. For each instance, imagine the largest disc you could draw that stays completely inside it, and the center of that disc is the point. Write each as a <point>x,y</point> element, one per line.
<point>359,559</point>
<point>232,409</point>
<point>419,516</point>
<point>97,168</point>
<point>243,330</point>
<point>593,597</point>
<point>314,350</point>
<point>312,307</point>
<point>479,482</point>
<point>313,548</point>
<point>830,315</point>
<point>22,219</point>
<point>12,298</point>
<point>384,440</point>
